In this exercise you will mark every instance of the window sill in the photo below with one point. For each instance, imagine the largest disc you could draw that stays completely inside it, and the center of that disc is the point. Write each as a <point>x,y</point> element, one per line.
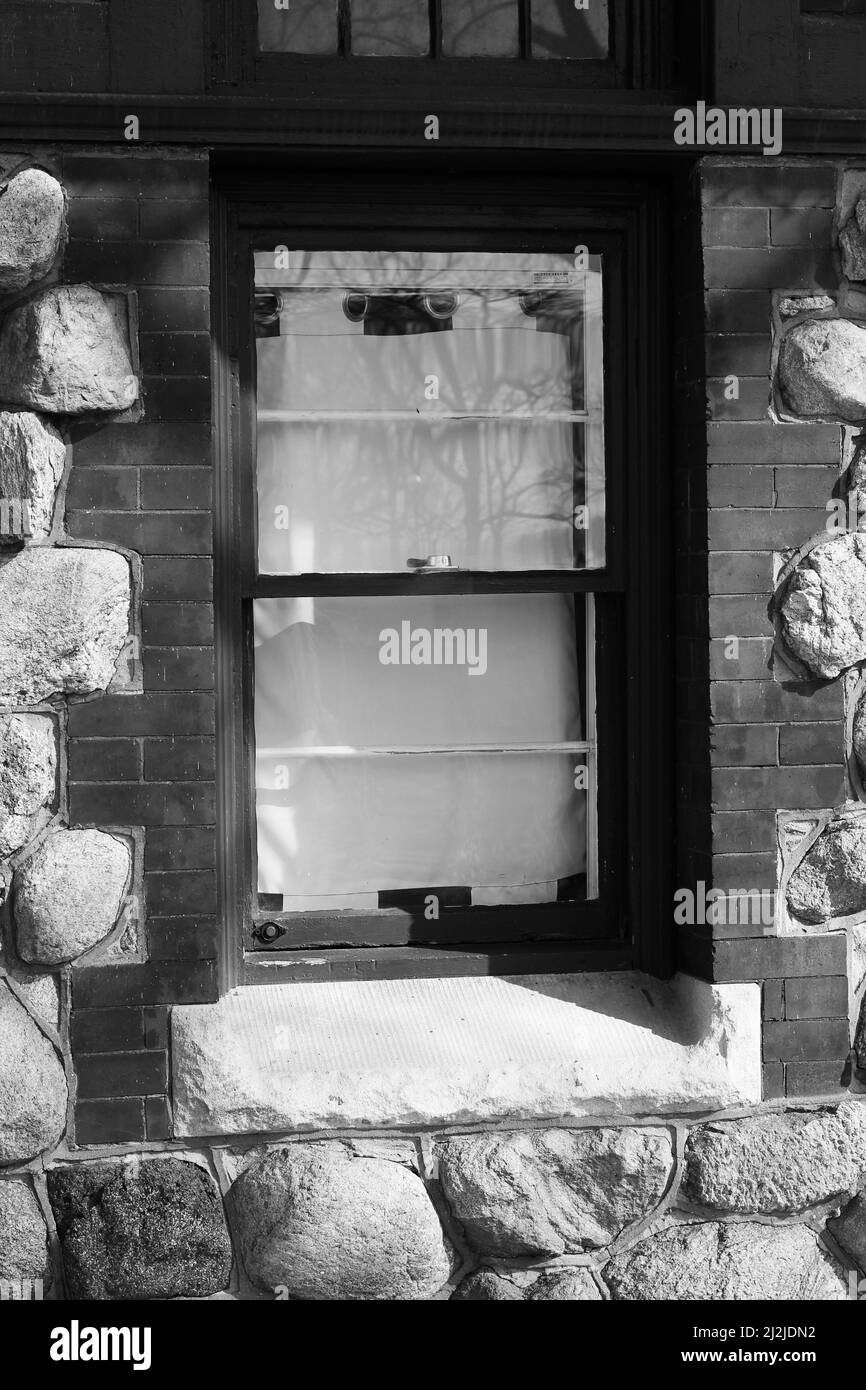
<point>460,1051</point>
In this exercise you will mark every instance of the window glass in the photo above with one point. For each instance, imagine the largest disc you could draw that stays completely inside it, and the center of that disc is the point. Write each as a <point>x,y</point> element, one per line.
<point>299,26</point>
<point>390,28</point>
<point>561,30</point>
<point>480,28</point>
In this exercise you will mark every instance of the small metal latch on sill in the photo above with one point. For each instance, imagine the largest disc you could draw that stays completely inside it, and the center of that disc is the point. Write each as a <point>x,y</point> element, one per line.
<point>268,932</point>
<point>432,562</point>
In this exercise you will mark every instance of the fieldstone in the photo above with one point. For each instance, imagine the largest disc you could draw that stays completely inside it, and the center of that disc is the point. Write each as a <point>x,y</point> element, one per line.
<point>521,1286</point>
<point>776,1163</point>
<point>739,1261</point>
<point>330,1224</point>
<point>69,894</point>
<point>64,618</point>
<point>28,777</point>
<point>849,1230</point>
<point>158,1233</point>
<point>63,352</point>
<point>830,880</point>
<point>23,1234</point>
<point>822,370</point>
<point>553,1191</point>
<point>40,993</point>
<point>823,606</point>
<point>32,459</point>
<point>487,1287</point>
<point>33,1090</point>
<point>858,737</point>
<point>31,228</point>
<point>852,243</point>
<point>559,1286</point>
<point>793,305</point>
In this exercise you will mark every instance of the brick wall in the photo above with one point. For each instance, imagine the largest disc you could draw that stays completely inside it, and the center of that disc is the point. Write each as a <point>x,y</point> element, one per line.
<point>139,221</point>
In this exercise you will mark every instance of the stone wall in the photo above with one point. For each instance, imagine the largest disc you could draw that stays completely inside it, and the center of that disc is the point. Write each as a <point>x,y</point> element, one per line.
<point>764,1206</point>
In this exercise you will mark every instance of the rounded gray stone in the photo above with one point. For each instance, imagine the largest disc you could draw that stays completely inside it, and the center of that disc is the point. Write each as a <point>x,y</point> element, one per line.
<point>63,352</point>
<point>717,1261</point>
<point>68,895</point>
<point>521,1286</point>
<point>822,370</point>
<point>31,228</point>
<point>23,1234</point>
<point>158,1233</point>
<point>28,777</point>
<point>823,606</point>
<point>770,1164</point>
<point>327,1223</point>
<point>33,1090</point>
<point>64,618</point>
<point>852,244</point>
<point>553,1191</point>
<point>849,1230</point>
<point>32,460</point>
<point>830,880</point>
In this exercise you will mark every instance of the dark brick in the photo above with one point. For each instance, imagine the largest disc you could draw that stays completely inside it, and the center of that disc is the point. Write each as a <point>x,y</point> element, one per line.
<point>181,894</point>
<point>178,668</point>
<point>176,489</point>
<point>737,311</point>
<point>109,1122</point>
<point>174,577</point>
<point>751,662</point>
<point>183,938</point>
<point>166,310</point>
<point>177,397</point>
<point>178,624</point>
<point>154,803</point>
<point>121,1074</point>
<point>739,184</point>
<point>137,262</point>
<point>151,533</point>
<point>736,227</point>
<point>175,847</point>
<point>156,444</point>
<point>745,398</point>
<point>825,997</point>
<point>801,227</point>
<point>158,1118</point>
<point>781,957</point>
<point>175,354</point>
<point>766,442</point>
<point>773,1081</point>
<point>743,832</point>
<point>111,488</point>
<point>816,1078</point>
<point>104,760</point>
<point>107,1030</point>
<point>805,485</point>
<point>736,789</point>
<point>182,219</point>
<point>810,269</point>
<point>811,743</point>
<point>744,529</point>
<point>185,759</point>
<point>104,174</point>
<point>156,713</point>
<point>744,745</point>
<point>729,485</point>
<point>806,1040</point>
<point>155,1028</point>
<point>744,872</point>
<point>768,702</point>
<point>773,1001</point>
<point>171,982</point>
<point>110,219</point>
<point>741,615</point>
<point>741,572</point>
<point>743,354</point>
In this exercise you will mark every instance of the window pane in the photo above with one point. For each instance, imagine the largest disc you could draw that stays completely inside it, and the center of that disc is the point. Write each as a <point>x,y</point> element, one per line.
<point>392,28</point>
<point>561,30</point>
<point>415,405</point>
<point>480,28</point>
<point>411,742</point>
<point>298,26</point>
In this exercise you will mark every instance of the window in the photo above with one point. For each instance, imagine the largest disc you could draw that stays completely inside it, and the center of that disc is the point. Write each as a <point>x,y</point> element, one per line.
<point>432,611</point>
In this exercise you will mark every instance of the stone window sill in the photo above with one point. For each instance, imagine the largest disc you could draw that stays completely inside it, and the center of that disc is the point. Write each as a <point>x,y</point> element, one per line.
<point>379,1053</point>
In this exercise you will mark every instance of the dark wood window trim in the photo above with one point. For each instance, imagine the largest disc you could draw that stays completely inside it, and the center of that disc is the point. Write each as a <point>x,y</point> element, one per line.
<point>530,208</point>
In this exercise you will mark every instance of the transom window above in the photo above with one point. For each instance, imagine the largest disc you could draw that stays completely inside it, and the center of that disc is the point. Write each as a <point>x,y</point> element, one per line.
<point>570,29</point>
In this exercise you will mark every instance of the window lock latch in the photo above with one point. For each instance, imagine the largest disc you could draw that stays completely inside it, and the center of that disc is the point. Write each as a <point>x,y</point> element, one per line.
<point>432,562</point>
<point>268,932</point>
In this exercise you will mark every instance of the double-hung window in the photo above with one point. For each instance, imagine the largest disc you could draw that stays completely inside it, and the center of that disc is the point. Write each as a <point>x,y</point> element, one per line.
<point>433,740</point>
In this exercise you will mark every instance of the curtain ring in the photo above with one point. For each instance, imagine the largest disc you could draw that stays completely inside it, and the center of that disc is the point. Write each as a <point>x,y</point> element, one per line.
<point>441,306</point>
<point>263,315</point>
<point>355,306</point>
<point>531,303</point>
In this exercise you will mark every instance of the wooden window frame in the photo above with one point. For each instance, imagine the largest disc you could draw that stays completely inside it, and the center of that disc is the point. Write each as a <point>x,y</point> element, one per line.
<point>335,206</point>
